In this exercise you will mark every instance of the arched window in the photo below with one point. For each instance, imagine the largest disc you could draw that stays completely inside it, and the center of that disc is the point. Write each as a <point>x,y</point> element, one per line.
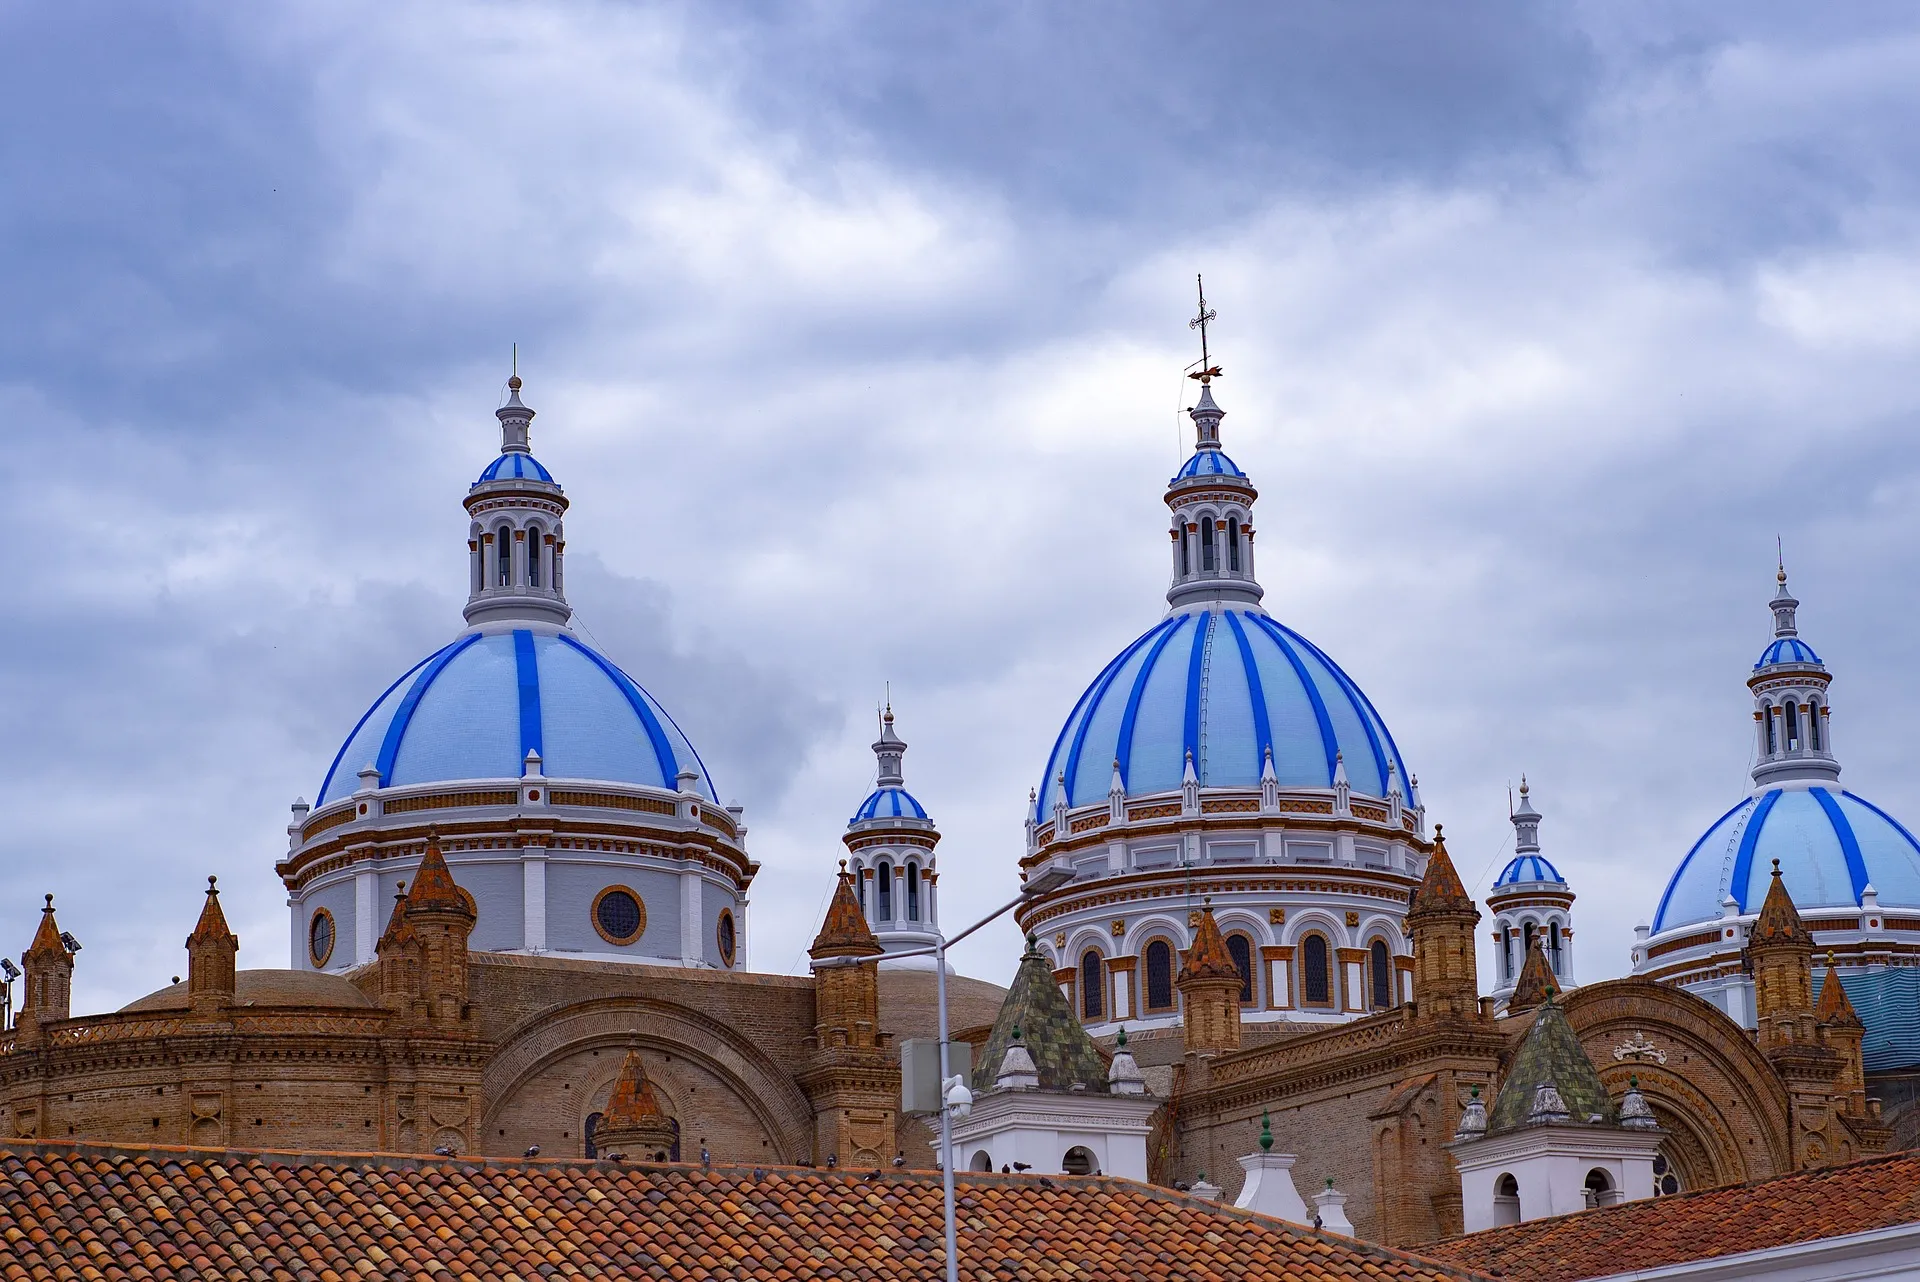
<point>1766,712</point>
<point>982,1161</point>
<point>503,556</point>
<point>1526,941</point>
<point>1506,1200</point>
<point>1233,543</point>
<point>883,889</point>
<point>1315,975</point>
<point>533,556</point>
<point>1206,543</point>
<point>1240,948</point>
<point>860,889</point>
<point>913,892</point>
<point>1186,552</point>
<point>1079,1161</point>
<point>1092,992</point>
<point>1382,975</point>
<point>1159,975</point>
<point>1553,946</point>
<point>1813,725</point>
<point>1793,726</point>
<point>1597,1188</point>
<point>1506,954</point>
<point>593,1124</point>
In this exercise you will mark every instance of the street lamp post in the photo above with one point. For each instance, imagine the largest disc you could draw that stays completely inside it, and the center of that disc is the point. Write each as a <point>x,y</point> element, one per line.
<point>955,1098</point>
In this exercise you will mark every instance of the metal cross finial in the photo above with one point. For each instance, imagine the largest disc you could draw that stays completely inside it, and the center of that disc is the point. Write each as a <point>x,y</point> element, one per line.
<point>1208,370</point>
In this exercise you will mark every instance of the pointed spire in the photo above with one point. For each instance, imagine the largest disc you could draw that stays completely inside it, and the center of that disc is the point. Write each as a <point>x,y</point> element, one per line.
<point>434,889</point>
<point>1123,1072</point>
<point>1473,1119</point>
<point>1440,889</point>
<point>1635,1113</point>
<point>1536,983</point>
<point>1834,1010</point>
<point>398,931</point>
<point>1526,824</point>
<point>1017,1072</point>
<point>889,748</point>
<point>1779,921</point>
<point>633,1102</point>
<point>1340,779</point>
<point>212,926</point>
<point>1064,1057</point>
<point>845,932</point>
<point>1550,1078</point>
<point>515,420</point>
<point>1784,605</point>
<point>1209,958</point>
<point>46,939</point>
<point>1266,765</point>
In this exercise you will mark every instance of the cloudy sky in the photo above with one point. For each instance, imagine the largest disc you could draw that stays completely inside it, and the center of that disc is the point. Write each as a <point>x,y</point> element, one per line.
<point>856,333</point>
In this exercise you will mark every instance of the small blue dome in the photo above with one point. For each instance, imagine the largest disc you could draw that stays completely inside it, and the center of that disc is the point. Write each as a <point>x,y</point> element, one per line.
<point>1787,650</point>
<point>1223,684</point>
<point>1526,868</point>
<point>1831,847</point>
<point>888,803</point>
<point>473,709</point>
<point>1209,463</point>
<point>515,463</point>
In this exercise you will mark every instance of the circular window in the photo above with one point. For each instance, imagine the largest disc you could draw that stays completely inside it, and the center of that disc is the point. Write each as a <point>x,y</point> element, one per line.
<point>1665,1181</point>
<point>320,937</point>
<point>724,935</point>
<point>619,915</point>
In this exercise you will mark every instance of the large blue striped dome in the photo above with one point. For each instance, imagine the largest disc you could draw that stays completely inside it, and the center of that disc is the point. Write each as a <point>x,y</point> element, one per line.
<point>473,709</point>
<point>1223,684</point>
<point>1831,846</point>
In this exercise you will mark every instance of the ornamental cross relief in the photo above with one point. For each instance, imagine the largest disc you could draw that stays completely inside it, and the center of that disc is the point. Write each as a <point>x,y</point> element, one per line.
<point>1637,1047</point>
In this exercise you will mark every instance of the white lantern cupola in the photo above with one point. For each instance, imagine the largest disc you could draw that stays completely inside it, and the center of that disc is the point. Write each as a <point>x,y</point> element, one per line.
<point>890,843</point>
<point>516,542</point>
<point>1532,906</point>
<point>1793,740</point>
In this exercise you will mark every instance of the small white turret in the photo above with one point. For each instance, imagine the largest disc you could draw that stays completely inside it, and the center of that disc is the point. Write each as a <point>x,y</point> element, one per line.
<point>890,842</point>
<point>1793,736</point>
<point>516,543</point>
<point>1532,905</point>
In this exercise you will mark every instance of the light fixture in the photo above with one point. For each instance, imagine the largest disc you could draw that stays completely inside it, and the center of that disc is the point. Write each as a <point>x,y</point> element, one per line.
<point>8,971</point>
<point>68,942</point>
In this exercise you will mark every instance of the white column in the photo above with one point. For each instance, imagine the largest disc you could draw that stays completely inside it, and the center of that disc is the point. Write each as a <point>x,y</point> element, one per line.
<point>366,914</point>
<point>533,899</point>
<point>692,925</point>
<point>297,937</point>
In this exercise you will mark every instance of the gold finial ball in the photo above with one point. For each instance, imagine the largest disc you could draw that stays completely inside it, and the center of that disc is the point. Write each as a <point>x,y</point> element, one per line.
<point>514,382</point>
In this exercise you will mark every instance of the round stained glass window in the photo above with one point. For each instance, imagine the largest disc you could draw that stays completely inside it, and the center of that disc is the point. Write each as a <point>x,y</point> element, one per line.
<point>1665,1182</point>
<point>724,936</point>
<point>320,937</point>
<point>619,915</point>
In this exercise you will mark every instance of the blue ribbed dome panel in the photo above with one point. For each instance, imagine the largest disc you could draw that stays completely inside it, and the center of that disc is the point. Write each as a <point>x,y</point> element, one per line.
<point>1209,463</point>
<point>473,710</point>
<point>889,803</point>
<point>1527,868</point>
<point>1223,684</point>
<point>514,464</point>
<point>1787,650</point>
<point>1831,846</point>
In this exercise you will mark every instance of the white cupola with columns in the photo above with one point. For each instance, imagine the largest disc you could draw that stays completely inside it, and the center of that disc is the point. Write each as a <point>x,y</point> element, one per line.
<point>516,544</point>
<point>1532,906</point>
<point>1793,740</point>
<point>890,842</point>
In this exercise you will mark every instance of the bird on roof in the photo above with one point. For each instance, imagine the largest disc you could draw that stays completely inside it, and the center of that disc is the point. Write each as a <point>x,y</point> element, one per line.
<point>1023,1166</point>
<point>533,1150</point>
<point>899,1160</point>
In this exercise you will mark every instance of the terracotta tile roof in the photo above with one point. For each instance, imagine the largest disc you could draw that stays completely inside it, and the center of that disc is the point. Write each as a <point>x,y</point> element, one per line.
<point>845,932</point>
<point>398,931</point>
<point>1878,1192</point>
<point>1779,921</point>
<point>71,1211</point>
<point>434,889</point>
<point>1209,958</point>
<point>1063,1055</point>
<point>1535,982</point>
<point>1440,889</point>
<point>212,926</point>
<point>1833,1008</point>
<point>46,940</point>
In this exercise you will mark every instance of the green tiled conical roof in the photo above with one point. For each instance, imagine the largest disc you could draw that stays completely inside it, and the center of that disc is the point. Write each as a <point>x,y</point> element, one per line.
<point>1063,1055</point>
<point>1550,1053</point>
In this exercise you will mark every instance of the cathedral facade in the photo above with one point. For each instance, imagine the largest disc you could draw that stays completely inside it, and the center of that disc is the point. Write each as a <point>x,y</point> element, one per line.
<point>519,920</point>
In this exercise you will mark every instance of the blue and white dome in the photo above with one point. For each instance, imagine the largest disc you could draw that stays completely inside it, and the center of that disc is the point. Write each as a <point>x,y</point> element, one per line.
<point>888,803</point>
<point>1223,684</point>
<point>515,464</point>
<point>1831,846</point>
<point>1525,869</point>
<point>1208,462</point>
<point>474,709</point>
<point>1786,650</point>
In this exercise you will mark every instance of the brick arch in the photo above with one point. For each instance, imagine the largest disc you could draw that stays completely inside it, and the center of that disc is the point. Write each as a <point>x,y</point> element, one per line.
<point>762,1087</point>
<point>1728,1108</point>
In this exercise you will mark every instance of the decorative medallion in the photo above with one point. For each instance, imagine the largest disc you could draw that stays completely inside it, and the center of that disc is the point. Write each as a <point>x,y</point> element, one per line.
<point>1276,916</point>
<point>1637,1047</point>
<point>1353,919</point>
<point>1119,927</point>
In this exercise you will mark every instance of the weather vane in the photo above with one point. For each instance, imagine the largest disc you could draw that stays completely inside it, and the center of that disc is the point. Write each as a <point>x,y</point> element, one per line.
<point>1208,371</point>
